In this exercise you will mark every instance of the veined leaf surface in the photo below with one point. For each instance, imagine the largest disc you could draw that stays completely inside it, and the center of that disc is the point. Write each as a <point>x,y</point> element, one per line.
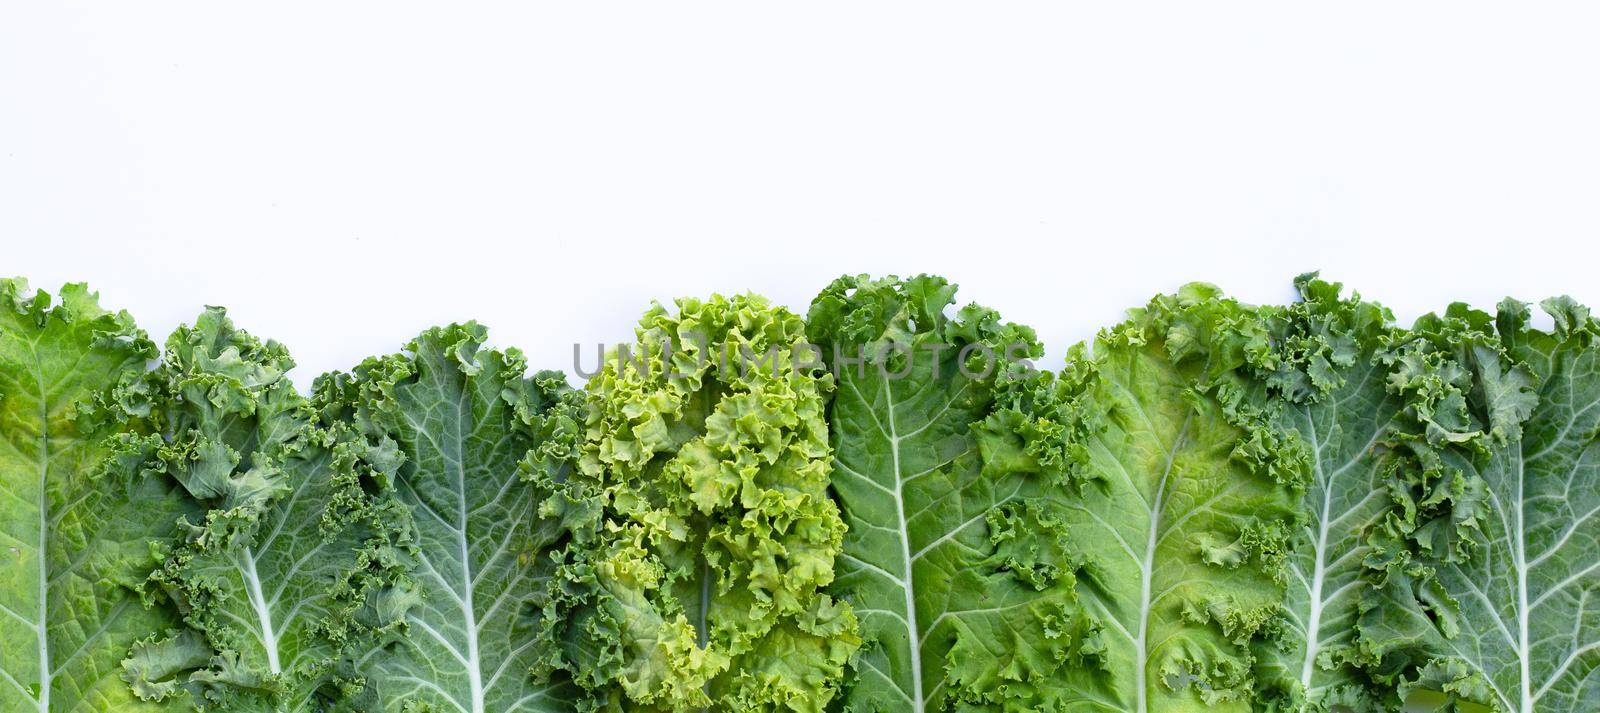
<point>957,573</point>
<point>271,577</point>
<point>1515,622</point>
<point>77,533</point>
<point>1346,497</point>
<point>470,428</point>
<point>1361,394</point>
<point>1185,517</point>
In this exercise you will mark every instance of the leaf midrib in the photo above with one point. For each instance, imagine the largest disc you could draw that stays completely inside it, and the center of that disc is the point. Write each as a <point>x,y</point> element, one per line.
<point>919,695</point>
<point>1314,598</point>
<point>1147,566</point>
<point>905,552</point>
<point>45,674</point>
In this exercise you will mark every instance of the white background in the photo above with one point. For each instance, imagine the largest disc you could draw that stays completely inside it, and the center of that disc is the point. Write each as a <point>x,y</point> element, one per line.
<point>342,175</point>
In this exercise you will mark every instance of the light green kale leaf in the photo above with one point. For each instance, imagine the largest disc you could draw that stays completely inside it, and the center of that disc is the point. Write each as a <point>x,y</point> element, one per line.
<point>79,530</point>
<point>271,578</point>
<point>960,574</point>
<point>477,453</point>
<point>704,589</point>
<point>1183,497</point>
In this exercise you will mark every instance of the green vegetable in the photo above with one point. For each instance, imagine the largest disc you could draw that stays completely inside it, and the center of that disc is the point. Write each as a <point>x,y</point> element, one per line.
<point>707,445</point>
<point>1335,387</point>
<point>1183,503</point>
<point>461,432</point>
<point>77,528</point>
<point>1214,506</point>
<point>1510,621</point>
<point>959,572</point>
<point>272,578</point>
<point>1361,394</point>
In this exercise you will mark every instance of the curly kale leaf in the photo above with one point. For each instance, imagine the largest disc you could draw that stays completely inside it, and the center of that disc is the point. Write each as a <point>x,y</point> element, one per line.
<point>1510,619</point>
<point>707,443</point>
<point>1182,500</point>
<point>1363,395</point>
<point>961,574</point>
<point>271,578</point>
<point>78,526</point>
<point>478,455</point>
